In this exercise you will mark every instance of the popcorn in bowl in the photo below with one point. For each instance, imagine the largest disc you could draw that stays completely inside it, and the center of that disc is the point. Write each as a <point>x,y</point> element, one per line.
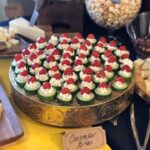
<point>112,13</point>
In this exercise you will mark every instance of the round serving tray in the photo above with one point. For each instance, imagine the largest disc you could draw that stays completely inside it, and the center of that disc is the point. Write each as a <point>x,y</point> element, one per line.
<point>73,115</point>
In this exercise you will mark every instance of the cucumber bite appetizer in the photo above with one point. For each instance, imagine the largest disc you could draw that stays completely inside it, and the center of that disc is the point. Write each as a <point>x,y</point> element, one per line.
<point>86,72</point>
<point>85,96</point>
<point>41,43</point>
<point>100,77</point>
<point>70,84</point>
<point>32,85</point>
<point>22,78</point>
<point>78,65</point>
<point>112,45</point>
<point>46,92</point>
<point>120,84</point>
<point>87,82</point>
<point>121,51</point>
<point>56,81</point>
<point>42,75</point>
<point>109,72</point>
<point>125,72</point>
<point>54,40</point>
<point>65,96</point>
<point>20,67</point>
<point>103,91</point>
<point>112,62</point>
<point>72,70</point>
<point>17,59</point>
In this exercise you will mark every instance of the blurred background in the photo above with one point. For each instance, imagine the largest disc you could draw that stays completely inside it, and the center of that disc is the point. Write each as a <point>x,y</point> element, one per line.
<point>28,6</point>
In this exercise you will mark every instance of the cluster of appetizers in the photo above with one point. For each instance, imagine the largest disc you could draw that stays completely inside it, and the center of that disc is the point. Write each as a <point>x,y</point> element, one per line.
<point>70,69</point>
<point>142,73</point>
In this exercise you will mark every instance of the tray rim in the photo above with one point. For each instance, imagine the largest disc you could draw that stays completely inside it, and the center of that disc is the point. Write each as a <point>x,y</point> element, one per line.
<point>72,107</point>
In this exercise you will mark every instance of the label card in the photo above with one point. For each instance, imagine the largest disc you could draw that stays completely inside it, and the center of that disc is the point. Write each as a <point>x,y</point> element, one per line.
<point>85,139</point>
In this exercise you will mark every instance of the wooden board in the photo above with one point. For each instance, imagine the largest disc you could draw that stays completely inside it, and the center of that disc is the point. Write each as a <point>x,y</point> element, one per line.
<point>9,53</point>
<point>10,128</point>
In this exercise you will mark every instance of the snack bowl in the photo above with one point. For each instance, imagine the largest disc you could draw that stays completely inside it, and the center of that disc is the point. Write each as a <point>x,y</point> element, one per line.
<point>112,14</point>
<point>139,33</point>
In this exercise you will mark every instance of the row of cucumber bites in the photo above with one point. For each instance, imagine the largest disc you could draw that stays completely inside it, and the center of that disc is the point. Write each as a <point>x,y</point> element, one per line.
<point>66,68</point>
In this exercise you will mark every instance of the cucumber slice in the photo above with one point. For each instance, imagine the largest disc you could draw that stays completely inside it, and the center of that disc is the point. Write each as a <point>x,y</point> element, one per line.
<point>102,95</point>
<point>120,88</point>
<point>65,101</point>
<point>85,101</point>
<point>50,97</point>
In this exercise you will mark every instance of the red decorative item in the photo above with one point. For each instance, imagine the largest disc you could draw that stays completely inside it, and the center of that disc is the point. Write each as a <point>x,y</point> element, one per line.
<point>112,59</point>
<point>70,81</point>
<point>32,80</point>
<point>64,42</point>
<point>65,90</point>
<point>57,76</point>
<point>66,55</point>
<point>82,55</point>
<point>97,63</point>
<point>101,74</point>
<point>55,52</point>
<point>26,52</point>
<point>40,52</point>
<point>41,40</point>
<point>88,71</point>
<point>122,47</point>
<point>18,57</point>
<point>65,62</point>
<point>103,39</point>
<point>85,90</point>
<point>24,73</point>
<point>68,71</point>
<point>83,47</point>
<point>120,79</point>
<point>75,40</point>
<point>43,71</point>
<point>32,46</point>
<point>33,56</point>
<point>50,58</point>
<point>88,79</point>
<point>112,43</point>
<point>54,68</point>
<point>21,64</point>
<point>95,54</point>
<point>103,85</point>
<point>50,46</point>
<point>36,65</point>
<point>46,85</point>
<point>78,62</point>
<point>86,42</point>
<point>79,35</point>
<point>91,36</point>
<point>126,68</point>
<point>108,53</point>
<point>108,68</point>
<point>124,56</point>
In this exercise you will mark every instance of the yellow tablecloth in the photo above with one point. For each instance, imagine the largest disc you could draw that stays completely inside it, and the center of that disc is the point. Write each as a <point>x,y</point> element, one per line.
<point>37,136</point>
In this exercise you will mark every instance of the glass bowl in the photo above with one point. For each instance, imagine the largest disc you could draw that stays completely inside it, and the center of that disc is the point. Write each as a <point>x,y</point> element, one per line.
<point>112,14</point>
<point>139,32</point>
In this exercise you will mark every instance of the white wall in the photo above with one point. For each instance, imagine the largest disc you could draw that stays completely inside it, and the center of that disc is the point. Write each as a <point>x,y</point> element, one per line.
<point>3,3</point>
